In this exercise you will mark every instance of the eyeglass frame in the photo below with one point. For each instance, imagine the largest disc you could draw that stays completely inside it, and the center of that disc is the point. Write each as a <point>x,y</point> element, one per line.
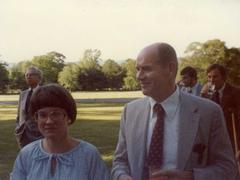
<point>49,115</point>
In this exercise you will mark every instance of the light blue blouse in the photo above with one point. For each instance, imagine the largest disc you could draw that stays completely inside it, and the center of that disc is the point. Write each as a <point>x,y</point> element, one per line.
<point>83,162</point>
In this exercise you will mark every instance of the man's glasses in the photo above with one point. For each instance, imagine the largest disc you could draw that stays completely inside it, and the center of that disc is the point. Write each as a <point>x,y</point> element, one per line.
<point>54,115</point>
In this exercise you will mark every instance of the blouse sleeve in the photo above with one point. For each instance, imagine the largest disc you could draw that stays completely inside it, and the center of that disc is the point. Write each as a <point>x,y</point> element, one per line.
<point>97,167</point>
<point>19,168</point>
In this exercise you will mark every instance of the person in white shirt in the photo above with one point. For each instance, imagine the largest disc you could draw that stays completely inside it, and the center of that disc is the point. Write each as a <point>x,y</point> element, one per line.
<point>170,134</point>
<point>189,81</point>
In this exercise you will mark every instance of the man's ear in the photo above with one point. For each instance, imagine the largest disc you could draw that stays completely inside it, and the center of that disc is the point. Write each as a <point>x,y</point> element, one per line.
<point>172,67</point>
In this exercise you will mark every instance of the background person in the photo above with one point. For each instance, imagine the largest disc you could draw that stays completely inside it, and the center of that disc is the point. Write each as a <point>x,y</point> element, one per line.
<point>227,96</point>
<point>57,156</point>
<point>26,130</point>
<point>170,134</point>
<point>189,81</point>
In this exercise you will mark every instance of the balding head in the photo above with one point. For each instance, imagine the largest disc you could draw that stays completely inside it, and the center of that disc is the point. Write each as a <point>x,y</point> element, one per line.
<point>162,52</point>
<point>156,70</point>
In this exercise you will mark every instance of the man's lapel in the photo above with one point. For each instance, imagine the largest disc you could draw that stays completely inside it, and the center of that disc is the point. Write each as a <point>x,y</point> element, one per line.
<point>24,99</point>
<point>141,129</point>
<point>227,95</point>
<point>188,127</point>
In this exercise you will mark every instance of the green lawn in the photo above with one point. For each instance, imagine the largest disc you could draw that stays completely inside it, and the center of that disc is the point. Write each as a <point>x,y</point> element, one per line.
<point>88,95</point>
<point>97,123</point>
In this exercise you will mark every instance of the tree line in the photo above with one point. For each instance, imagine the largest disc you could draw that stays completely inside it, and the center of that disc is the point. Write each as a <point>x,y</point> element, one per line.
<point>91,73</point>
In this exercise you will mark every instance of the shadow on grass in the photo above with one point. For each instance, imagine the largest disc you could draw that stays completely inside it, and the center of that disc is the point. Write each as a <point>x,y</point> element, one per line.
<point>101,133</point>
<point>99,113</point>
<point>100,104</point>
<point>8,148</point>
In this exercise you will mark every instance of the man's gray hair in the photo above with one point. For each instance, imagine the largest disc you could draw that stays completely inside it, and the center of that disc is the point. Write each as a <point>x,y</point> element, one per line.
<point>36,70</point>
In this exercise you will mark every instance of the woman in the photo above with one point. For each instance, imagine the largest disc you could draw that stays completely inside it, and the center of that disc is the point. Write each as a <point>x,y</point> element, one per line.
<point>57,156</point>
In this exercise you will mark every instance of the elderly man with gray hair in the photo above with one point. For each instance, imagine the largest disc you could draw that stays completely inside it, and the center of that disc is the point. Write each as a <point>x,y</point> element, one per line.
<point>26,130</point>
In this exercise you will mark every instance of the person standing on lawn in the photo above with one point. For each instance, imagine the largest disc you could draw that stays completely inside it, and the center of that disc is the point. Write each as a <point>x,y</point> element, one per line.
<point>170,134</point>
<point>26,130</point>
<point>57,156</point>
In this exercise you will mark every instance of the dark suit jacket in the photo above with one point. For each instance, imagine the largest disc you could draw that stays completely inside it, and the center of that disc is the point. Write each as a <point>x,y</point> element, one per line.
<point>26,129</point>
<point>203,147</point>
<point>230,104</point>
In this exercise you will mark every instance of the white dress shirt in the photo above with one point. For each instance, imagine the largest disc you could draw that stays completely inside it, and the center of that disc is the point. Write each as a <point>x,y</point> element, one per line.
<point>194,90</point>
<point>171,129</point>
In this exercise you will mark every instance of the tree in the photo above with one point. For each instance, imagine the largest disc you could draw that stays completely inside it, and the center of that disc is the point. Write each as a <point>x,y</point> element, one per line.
<point>114,74</point>
<point>68,77</point>
<point>17,75</point>
<point>130,81</point>
<point>232,65</point>
<point>4,80</point>
<point>90,59</point>
<point>91,76</point>
<point>91,80</point>
<point>50,64</point>
<point>201,55</point>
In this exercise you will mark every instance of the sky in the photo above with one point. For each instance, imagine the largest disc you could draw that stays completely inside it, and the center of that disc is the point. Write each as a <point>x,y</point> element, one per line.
<point>118,28</point>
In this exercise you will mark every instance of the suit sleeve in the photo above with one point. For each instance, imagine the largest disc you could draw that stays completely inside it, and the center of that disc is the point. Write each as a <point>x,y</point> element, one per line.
<point>19,108</point>
<point>120,161</point>
<point>221,163</point>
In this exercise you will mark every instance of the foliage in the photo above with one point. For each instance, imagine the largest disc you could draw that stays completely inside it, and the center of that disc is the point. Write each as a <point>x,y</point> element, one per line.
<point>4,80</point>
<point>114,74</point>
<point>201,55</point>
<point>91,59</point>
<point>91,76</point>
<point>51,64</point>
<point>91,79</point>
<point>130,81</point>
<point>68,77</point>
<point>17,79</point>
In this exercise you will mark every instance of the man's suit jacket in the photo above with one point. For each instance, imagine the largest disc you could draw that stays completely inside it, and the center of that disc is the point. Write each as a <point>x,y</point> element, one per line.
<point>203,147</point>
<point>230,103</point>
<point>26,129</point>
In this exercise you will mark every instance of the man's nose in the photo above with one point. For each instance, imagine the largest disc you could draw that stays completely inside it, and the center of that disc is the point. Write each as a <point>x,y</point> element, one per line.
<point>210,79</point>
<point>140,75</point>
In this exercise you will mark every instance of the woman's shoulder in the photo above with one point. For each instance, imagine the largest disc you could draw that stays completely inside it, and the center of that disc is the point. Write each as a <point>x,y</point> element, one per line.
<point>88,147</point>
<point>29,148</point>
<point>28,152</point>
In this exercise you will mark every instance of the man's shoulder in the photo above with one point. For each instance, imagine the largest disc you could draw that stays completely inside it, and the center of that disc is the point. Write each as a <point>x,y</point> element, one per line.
<point>139,101</point>
<point>230,87</point>
<point>201,102</point>
<point>232,91</point>
<point>24,91</point>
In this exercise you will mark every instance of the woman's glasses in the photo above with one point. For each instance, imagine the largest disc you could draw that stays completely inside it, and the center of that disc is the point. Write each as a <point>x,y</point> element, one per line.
<point>54,115</point>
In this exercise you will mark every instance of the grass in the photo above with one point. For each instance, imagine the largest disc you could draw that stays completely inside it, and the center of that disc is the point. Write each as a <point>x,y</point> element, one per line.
<point>88,95</point>
<point>97,123</point>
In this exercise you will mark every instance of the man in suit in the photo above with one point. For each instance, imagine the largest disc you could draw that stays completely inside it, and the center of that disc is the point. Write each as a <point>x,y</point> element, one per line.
<point>26,129</point>
<point>227,96</point>
<point>170,134</point>
<point>189,81</point>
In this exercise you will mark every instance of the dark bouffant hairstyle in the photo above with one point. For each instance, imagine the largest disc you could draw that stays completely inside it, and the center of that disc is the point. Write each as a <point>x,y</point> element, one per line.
<point>190,71</point>
<point>53,95</point>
